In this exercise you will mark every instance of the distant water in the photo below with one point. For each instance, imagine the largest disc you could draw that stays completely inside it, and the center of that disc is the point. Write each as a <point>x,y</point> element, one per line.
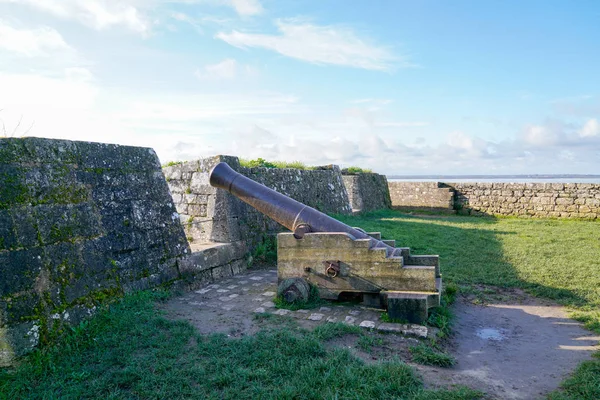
<point>498,178</point>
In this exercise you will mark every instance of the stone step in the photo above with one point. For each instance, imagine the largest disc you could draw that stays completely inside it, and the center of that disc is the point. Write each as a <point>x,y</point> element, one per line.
<point>211,261</point>
<point>427,260</point>
<point>390,242</point>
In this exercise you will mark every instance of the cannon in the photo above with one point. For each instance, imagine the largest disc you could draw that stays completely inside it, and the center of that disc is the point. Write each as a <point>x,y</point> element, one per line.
<point>341,261</point>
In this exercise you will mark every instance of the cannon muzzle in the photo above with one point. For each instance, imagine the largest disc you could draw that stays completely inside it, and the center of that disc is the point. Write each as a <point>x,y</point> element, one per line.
<point>297,217</point>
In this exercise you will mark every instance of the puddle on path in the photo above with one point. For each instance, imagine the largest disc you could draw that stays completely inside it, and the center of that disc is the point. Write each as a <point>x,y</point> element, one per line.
<point>490,334</point>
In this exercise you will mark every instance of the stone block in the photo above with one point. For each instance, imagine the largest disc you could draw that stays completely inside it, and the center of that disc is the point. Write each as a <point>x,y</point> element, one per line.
<point>409,306</point>
<point>25,226</point>
<point>223,271</point>
<point>565,201</point>
<point>19,270</point>
<point>14,190</point>
<point>7,231</point>
<point>592,202</point>
<point>197,210</point>
<point>19,307</point>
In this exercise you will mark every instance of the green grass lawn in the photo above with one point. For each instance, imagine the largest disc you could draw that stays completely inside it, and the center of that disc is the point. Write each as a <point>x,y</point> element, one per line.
<point>551,258</point>
<point>131,351</point>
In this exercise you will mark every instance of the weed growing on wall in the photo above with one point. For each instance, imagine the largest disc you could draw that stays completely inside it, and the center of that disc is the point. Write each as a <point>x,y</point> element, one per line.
<point>262,163</point>
<point>355,171</point>
<point>266,250</point>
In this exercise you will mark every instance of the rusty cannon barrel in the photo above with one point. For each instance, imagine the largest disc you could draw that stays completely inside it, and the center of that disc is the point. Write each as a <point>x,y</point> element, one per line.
<point>297,217</point>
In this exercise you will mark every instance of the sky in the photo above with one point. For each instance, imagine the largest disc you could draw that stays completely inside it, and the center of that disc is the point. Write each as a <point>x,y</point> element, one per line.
<point>400,87</point>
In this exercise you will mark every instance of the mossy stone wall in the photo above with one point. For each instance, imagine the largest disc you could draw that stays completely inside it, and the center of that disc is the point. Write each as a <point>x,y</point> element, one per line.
<point>80,222</point>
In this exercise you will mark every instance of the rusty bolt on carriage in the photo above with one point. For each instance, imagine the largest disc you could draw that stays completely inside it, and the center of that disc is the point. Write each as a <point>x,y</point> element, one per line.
<point>341,261</point>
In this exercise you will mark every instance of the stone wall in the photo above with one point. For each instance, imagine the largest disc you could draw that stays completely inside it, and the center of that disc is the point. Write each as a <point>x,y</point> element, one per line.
<point>79,222</point>
<point>432,195</point>
<point>367,192</point>
<point>211,215</point>
<point>555,200</point>
<point>563,200</point>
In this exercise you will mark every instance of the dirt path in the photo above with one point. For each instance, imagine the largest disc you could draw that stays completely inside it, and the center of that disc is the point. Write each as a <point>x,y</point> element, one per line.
<point>514,351</point>
<point>520,349</point>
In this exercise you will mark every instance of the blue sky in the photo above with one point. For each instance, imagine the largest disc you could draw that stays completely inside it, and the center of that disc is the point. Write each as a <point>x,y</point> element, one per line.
<point>402,87</point>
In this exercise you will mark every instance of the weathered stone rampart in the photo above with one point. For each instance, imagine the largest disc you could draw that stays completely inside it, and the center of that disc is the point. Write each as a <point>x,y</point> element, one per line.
<point>79,222</point>
<point>367,192</point>
<point>558,200</point>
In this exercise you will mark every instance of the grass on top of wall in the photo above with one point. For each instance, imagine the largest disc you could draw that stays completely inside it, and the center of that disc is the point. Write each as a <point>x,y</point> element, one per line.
<point>260,162</point>
<point>558,259</point>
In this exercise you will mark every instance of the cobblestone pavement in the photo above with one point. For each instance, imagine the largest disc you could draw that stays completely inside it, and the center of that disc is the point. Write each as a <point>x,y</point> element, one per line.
<point>228,306</point>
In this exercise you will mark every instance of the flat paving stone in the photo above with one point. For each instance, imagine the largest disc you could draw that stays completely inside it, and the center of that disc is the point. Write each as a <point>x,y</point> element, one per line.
<point>222,290</point>
<point>367,324</point>
<point>202,291</point>
<point>270,294</point>
<point>316,317</point>
<point>231,286</point>
<point>256,278</point>
<point>260,310</point>
<point>268,304</point>
<point>331,319</point>
<point>349,320</point>
<point>282,311</point>
<point>388,327</point>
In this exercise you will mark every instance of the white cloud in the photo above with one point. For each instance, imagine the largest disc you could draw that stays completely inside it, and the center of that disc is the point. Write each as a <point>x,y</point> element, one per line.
<point>381,102</point>
<point>541,135</point>
<point>99,14</point>
<point>276,126</point>
<point>246,7</point>
<point>227,69</point>
<point>459,140</point>
<point>31,42</point>
<point>400,124</point>
<point>316,44</point>
<point>139,16</point>
<point>591,128</point>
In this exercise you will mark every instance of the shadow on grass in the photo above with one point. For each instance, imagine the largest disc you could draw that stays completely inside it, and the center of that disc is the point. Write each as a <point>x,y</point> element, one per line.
<point>470,253</point>
<point>477,251</point>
